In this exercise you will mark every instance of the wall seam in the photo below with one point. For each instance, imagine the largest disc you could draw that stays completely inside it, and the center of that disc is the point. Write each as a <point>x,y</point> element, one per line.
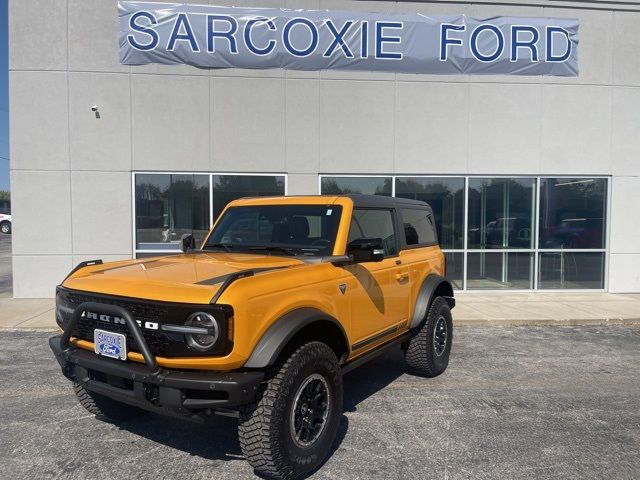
<point>286,124</point>
<point>69,136</point>
<point>210,131</point>
<point>468,101</point>
<point>319,128</point>
<point>395,121</point>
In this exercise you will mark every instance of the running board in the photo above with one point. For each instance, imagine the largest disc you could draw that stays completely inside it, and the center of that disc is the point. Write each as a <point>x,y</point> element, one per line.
<point>347,367</point>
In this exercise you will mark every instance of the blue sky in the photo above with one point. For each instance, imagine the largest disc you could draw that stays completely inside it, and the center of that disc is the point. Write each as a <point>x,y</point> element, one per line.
<point>4,96</point>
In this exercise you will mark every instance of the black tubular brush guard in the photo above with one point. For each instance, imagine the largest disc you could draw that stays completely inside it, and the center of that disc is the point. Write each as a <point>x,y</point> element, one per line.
<point>195,394</point>
<point>105,309</point>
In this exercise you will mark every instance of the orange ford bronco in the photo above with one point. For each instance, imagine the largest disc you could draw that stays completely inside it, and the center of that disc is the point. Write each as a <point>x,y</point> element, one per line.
<point>282,298</point>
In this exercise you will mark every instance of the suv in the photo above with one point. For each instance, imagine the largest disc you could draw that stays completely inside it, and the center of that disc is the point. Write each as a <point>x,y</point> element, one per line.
<point>282,298</point>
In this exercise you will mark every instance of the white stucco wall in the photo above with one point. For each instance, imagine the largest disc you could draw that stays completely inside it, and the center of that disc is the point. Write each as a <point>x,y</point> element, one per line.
<point>70,172</point>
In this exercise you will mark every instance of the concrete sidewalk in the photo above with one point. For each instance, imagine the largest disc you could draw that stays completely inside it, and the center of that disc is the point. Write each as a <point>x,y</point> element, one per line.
<point>501,308</point>
<point>520,309</point>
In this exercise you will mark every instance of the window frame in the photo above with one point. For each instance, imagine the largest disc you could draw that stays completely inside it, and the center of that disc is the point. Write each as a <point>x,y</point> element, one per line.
<point>150,252</point>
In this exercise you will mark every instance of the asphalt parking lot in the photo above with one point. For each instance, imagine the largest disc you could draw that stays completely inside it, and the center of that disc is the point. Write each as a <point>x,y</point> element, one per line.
<point>5,266</point>
<point>515,403</point>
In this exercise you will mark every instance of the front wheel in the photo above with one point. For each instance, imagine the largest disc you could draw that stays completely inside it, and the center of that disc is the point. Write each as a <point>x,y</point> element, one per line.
<point>427,353</point>
<point>290,428</point>
<point>5,227</point>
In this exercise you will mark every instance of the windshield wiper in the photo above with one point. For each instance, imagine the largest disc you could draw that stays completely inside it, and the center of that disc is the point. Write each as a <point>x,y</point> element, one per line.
<point>273,248</point>
<point>225,246</point>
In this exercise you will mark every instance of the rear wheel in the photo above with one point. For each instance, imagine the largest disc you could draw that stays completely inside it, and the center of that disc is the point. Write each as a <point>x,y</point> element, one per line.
<point>290,428</point>
<point>5,227</point>
<point>428,350</point>
<point>104,407</point>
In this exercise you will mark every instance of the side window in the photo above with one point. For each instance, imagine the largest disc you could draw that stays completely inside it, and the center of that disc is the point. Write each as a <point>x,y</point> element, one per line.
<point>372,223</point>
<point>418,227</point>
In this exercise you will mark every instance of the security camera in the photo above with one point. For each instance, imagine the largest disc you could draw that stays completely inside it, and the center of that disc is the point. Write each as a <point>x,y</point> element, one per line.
<point>94,108</point>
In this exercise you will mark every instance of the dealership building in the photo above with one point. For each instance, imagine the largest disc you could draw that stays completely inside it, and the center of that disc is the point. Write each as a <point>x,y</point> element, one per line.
<point>534,180</point>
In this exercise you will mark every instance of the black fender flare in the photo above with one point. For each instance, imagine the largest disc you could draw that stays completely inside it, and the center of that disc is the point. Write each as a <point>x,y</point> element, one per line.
<point>426,295</point>
<point>284,329</point>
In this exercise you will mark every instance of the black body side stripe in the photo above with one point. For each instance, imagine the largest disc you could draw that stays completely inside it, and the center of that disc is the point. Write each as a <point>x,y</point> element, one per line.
<point>375,338</point>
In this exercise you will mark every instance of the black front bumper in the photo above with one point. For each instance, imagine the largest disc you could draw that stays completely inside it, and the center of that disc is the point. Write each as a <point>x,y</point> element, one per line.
<point>165,391</point>
<point>191,394</point>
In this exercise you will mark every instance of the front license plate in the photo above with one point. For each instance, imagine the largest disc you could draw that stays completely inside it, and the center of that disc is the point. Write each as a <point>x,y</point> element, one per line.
<point>110,344</point>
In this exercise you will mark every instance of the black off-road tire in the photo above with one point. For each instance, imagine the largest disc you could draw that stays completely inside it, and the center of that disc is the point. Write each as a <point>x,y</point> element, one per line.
<point>423,355</point>
<point>265,431</point>
<point>104,407</point>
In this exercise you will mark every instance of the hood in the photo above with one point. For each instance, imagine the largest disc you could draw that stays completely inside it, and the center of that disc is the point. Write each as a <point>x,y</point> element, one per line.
<point>188,278</point>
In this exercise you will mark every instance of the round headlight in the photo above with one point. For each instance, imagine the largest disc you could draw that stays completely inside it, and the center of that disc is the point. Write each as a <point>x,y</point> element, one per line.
<point>202,341</point>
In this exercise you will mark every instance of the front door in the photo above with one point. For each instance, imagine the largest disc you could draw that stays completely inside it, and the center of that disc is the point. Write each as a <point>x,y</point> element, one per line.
<point>379,290</point>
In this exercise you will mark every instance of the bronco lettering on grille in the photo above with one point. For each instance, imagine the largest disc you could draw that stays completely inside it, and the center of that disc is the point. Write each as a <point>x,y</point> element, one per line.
<point>119,320</point>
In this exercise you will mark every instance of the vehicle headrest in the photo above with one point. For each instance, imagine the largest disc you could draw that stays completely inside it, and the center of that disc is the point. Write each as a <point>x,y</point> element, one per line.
<point>299,227</point>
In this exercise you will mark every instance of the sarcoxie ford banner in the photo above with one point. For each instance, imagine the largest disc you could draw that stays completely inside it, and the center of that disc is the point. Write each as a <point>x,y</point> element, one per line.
<point>226,37</point>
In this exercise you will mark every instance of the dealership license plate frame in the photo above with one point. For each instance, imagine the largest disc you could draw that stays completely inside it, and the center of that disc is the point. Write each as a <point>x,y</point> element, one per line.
<point>110,344</point>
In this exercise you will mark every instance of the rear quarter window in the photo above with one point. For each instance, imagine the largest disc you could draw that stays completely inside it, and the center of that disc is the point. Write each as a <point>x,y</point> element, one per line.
<point>418,227</point>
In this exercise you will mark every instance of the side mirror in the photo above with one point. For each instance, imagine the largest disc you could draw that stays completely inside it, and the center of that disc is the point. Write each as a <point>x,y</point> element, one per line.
<point>366,250</point>
<point>187,242</point>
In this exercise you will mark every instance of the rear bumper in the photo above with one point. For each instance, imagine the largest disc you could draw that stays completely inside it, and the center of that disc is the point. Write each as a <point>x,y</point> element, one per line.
<point>165,391</point>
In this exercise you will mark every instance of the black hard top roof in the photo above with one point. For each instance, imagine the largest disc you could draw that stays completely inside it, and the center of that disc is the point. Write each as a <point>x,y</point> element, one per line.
<point>380,201</point>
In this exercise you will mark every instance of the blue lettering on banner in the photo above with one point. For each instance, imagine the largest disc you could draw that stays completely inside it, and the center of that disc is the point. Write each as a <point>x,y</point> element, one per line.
<point>315,40</point>
<point>445,40</point>
<point>364,39</point>
<point>338,38</point>
<point>286,37</point>
<point>229,34</point>
<point>499,42</point>
<point>271,44</point>
<point>530,44</point>
<point>551,33</point>
<point>182,22</point>
<point>381,39</point>
<point>135,26</point>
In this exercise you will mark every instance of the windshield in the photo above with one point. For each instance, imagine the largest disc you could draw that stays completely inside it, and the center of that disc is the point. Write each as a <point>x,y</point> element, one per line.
<point>277,229</point>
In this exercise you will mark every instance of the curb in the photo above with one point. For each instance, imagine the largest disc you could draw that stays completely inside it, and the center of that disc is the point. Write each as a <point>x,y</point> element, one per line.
<point>550,322</point>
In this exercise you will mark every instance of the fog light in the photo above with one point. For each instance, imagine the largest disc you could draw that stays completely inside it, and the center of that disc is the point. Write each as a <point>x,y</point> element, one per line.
<point>210,331</point>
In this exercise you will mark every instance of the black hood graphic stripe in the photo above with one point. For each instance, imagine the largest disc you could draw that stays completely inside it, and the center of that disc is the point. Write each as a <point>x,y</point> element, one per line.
<point>222,278</point>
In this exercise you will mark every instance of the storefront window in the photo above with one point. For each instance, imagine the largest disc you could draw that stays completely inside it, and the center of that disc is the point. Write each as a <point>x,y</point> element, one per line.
<point>501,212</point>
<point>363,185</point>
<point>572,213</point>
<point>168,206</point>
<point>231,187</point>
<point>499,270</point>
<point>571,270</point>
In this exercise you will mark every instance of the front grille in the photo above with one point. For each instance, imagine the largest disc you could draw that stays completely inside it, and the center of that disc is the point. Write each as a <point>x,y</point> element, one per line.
<point>140,311</point>
<point>157,341</point>
<point>161,343</point>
